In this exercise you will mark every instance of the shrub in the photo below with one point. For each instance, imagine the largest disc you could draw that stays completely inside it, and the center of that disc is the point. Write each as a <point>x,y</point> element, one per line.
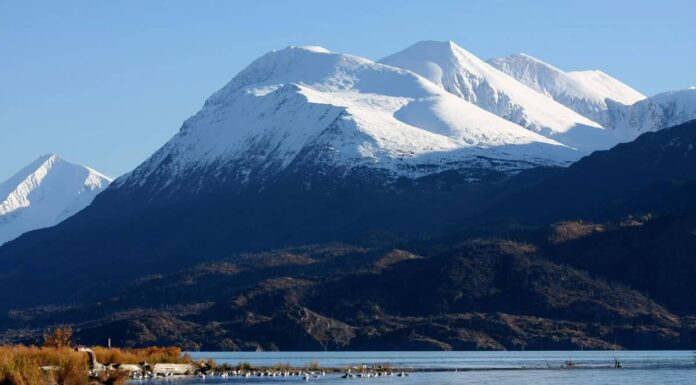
<point>58,338</point>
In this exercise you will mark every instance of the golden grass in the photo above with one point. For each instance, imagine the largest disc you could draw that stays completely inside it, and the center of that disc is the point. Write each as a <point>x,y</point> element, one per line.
<point>155,354</point>
<point>313,365</point>
<point>21,365</point>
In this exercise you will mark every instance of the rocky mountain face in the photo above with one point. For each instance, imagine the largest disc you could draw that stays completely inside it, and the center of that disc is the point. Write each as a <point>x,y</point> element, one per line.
<point>44,193</point>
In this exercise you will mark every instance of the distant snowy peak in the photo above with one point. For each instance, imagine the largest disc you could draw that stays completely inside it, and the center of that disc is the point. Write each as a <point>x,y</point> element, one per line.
<point>309,106</point>
<point>655,113</point>
<point>544,77</point>
<point>623,111</point>
<point>589,93</point>
<point>465,75</point>
<point>44,193</point>
<point>608,86</point>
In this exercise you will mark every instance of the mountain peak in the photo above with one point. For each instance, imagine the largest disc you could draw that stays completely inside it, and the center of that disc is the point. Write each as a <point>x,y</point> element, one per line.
<point>608,86</point>
<point>293,64</point>
<point>435,44</point>
<point>310,48</point>
<point>340,111</point>
<point>47,157</point>
<point>523,63</point>
<point>527,57</point>
<point>437,50</point>
<point>465,75</point>
<point>44,193</point>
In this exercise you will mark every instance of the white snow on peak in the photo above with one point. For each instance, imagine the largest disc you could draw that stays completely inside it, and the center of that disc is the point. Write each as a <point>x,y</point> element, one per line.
<point>623,111</point>
<point>44,193</point>
<point>347,111</point>
<point>429,108</point>
<point>312,48</point>
<point>608,86</point>
<point>590,94</point>
<point>545,78</point>
<point>654,113</point>
<point>465,75</point>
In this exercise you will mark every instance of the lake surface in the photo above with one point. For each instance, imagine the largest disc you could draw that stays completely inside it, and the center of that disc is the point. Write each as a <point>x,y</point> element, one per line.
<point>499,368</point>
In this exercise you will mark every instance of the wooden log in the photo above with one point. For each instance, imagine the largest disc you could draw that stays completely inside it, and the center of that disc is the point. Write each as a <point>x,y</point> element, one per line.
<point>173,368</point>
<point>130,368</point>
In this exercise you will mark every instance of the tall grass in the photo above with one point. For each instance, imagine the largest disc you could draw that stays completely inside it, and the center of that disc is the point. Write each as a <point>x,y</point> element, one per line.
<point>155,354</point>
<point>21,365</point>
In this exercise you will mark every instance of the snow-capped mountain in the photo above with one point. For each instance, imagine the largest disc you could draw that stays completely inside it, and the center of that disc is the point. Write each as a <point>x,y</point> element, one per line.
<point>608,86</point>
<point>307,146</point>
<point>654,113</point>
<point>465,75</point>
<point>589,94</point>
<point>309,106</point>
<point>44,193</point>
<point>623,111</point>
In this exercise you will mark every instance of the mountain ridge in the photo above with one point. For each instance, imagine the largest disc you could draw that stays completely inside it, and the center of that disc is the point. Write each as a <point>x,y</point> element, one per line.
<point>312,105</point>
<point>625,117</point>
<point>465,75</point>
<point>44,193</point>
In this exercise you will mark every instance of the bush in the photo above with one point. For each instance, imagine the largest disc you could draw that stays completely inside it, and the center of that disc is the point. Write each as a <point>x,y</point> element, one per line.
<point>58,338</point>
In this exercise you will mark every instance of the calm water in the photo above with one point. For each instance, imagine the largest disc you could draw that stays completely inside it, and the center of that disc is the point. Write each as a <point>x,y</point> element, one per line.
<point>498,368</point>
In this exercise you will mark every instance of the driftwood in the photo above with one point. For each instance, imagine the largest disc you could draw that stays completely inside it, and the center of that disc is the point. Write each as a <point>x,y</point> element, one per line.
<point>130,368</point>
<point>173,368</point>
<point>93,363</point>
<point>167,369</point>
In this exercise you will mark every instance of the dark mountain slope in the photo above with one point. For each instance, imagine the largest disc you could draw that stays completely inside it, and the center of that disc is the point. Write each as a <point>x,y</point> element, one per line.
<point>127,271</point>
<point>655,173</point>
<point>480,294</point>
<point>113,242</point>
<point>657,257</point>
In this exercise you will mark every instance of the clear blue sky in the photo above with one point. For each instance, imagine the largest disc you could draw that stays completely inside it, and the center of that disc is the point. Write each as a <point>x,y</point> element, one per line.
<point>105,83</point>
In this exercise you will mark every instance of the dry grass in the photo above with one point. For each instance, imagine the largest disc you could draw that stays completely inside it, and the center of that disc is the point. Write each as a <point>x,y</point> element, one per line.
<point>112,378</point>
<point>21,365</point>
<point>571,230</point>
<point>313,365</point>
<point>155,354</point>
